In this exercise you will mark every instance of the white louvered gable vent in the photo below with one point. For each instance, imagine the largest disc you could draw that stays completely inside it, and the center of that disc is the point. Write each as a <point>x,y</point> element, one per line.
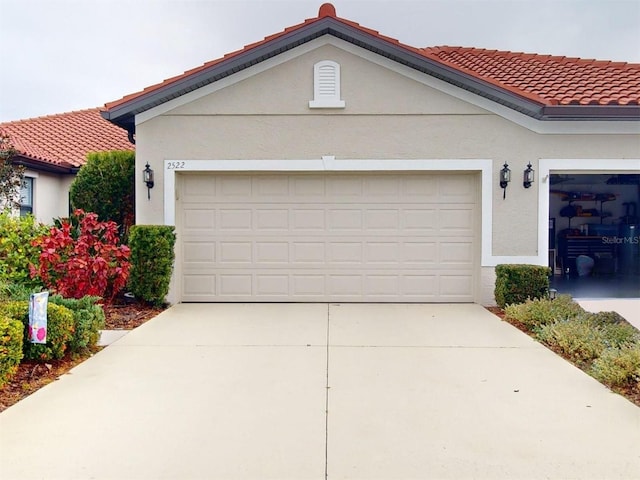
<point>326,85</point>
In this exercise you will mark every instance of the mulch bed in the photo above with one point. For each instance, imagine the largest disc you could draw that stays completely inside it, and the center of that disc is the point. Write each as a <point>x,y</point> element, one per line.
<point>31,376</point>
<point>631,393</point>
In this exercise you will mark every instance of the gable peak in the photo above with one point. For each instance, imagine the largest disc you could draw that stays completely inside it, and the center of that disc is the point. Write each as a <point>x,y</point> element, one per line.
<point>327,10</point>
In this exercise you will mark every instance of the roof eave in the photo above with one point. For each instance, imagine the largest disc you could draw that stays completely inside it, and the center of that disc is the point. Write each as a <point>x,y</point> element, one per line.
<point>124,114</point>
<point>43,166</point>
<point>591,112</point>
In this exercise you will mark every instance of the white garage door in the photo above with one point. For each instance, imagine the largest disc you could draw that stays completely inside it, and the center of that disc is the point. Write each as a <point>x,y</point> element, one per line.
<point>328,237</point>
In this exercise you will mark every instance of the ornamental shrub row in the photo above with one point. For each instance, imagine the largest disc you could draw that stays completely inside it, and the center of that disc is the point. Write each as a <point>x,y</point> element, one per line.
<point>60,329</point>
<point>603,343</point>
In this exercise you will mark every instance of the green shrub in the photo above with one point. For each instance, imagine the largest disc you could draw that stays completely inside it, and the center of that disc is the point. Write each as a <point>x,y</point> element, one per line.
<point>152,258</point>
<point>105,185</point>
<point>579,339</point>
<point>16,250</point>
<point>15,291</point>
<point>10,348</point>
<point>538,312</point>
<point>618,367</point>
<point>88,321</point>
<point>59,330</point>
<point>586,337</point>
<point>517,283</point>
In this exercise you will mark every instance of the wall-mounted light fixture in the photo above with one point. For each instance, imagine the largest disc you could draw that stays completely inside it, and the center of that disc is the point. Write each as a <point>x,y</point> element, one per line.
<point>147,177</point>
<point>529,176</point>
<point>505,178</point>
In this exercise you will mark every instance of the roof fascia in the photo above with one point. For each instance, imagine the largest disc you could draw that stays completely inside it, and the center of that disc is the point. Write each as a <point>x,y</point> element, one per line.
<point>43,166</point>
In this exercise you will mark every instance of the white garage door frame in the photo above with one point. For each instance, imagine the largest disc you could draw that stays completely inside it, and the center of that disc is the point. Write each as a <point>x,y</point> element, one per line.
<point>329,164</point>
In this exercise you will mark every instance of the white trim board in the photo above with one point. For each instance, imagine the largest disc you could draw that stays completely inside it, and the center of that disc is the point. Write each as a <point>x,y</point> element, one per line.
<point>330,164</point>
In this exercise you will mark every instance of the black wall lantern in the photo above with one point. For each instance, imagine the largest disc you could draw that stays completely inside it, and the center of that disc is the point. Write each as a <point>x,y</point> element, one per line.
<point>505,178</point>
<point>147,177</point>
<point>529,176</point>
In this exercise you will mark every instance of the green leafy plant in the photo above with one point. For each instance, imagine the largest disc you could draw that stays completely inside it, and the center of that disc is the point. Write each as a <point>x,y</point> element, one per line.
<point>10,348</point>
<point>105,185</point>
<point>585,337</point>
<point>579,339</point>
<point>16,249</point>
<point>541,311</point>
<point>86,260</point>
<point>517,283</point>
<point>618,367</point>
<point>11,174</point>
<point>15,291</point>
<point>60,327</point>
<point>152,255</point>
<point>88,319</point>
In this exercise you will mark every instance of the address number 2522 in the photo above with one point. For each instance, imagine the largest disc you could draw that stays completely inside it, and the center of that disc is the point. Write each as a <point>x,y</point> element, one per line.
<point>176,165</point>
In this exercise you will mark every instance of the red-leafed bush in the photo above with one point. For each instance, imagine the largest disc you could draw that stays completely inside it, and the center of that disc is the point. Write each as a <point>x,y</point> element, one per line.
<point>82,256</point>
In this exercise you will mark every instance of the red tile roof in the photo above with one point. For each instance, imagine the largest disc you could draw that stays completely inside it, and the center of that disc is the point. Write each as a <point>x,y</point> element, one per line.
<point>64,140</point>
<point>544,79</point>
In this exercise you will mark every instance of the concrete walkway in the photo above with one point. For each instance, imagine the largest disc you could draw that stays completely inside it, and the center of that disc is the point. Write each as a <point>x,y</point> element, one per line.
<point>313,391</point>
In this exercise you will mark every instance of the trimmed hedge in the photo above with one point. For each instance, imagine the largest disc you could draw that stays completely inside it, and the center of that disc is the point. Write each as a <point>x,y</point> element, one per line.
<point>11,339</point>
<point>106,185</point>
<point>517,283</point>
<point>151,259</point>
<point>88,320</point>
<point>60,329</point>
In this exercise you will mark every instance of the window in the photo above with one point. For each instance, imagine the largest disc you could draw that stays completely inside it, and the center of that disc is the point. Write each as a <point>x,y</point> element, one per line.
<point>26,196</point>
<point>326,85</point>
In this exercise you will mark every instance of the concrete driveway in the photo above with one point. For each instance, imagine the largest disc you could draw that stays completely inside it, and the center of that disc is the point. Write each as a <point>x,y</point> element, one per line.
<point>313,391</point>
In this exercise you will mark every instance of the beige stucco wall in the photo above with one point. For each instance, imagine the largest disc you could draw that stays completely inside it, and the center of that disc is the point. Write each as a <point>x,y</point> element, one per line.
<point>387,116</point>
<point>50,195</point>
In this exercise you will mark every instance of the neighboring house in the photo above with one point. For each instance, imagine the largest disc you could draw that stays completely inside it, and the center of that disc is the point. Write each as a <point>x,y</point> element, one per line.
<point>53,148</point>
<point>331,163</point>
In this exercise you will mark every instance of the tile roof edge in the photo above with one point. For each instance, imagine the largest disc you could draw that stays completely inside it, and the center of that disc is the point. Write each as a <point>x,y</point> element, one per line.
<point>49,116</point>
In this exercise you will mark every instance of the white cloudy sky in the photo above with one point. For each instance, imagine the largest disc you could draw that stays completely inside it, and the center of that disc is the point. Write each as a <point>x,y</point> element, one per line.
<point>63,55</point>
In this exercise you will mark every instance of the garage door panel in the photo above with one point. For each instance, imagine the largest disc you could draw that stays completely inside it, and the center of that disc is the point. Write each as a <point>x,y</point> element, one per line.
<point>272,220</point>
<point>272,252</point>
<point>341,253</point>
<point>308,252</point>
<point>236,252</point>
<point>456,253</point>
<point>203,220</point>
<point>460,221</point>
<point>199,253</point>
<point>312,237</point>
<point>345,219</point>
<point>308,285</point>
<point>382,252</point>
<point>382,219</point>
<point>420,253</point>
<point>308,219</point>
<point>272,285</point>
<point>231,219</point>
<point>456,286</point>
<point>235,285</point>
